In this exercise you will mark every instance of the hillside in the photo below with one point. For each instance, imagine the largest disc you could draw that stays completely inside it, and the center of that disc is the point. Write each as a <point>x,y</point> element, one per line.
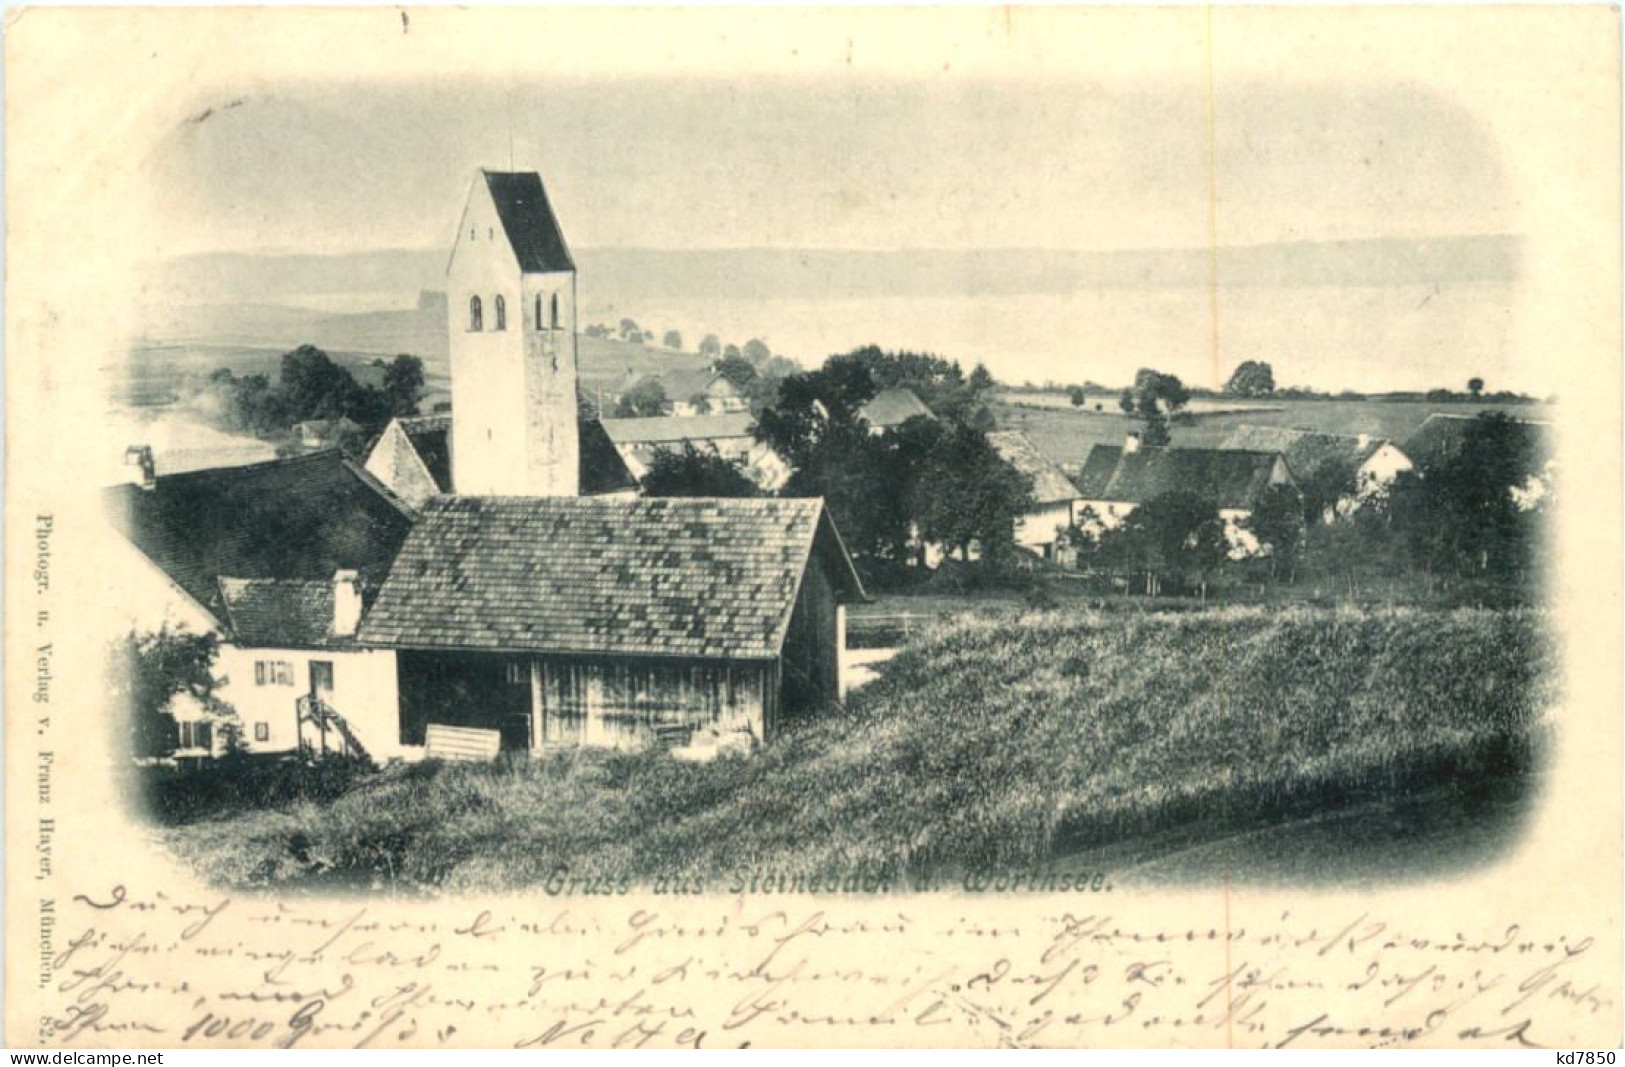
<point>996,741</point>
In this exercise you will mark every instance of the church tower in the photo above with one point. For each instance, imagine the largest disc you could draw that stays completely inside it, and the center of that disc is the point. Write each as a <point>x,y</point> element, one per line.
<point>511,315</point>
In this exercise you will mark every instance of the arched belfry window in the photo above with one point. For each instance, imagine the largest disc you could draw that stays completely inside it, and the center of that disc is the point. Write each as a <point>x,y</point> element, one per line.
<point>476,315</point>
<point>541,323</point>
<point>555,311</point>
<point>502,314</point>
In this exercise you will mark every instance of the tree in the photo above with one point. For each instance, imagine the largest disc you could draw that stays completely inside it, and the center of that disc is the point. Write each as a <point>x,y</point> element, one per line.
<point>646,398</point>
<point>966,492</point>
<point>1174,534</point>
<point>629,329</point>
<point>1252,378</point>
<point>692,471</point>
<point>1126,401</point>
<point>738,371</point>
<point>1475,386</point>
<point>1155,391</point>
<point>403,384</point>
<point>757,352</point>
<point>146,671</point>
<point>710,346</point>
<point>810,403</point>
<point>1277,522</point>
<point>732,352</point>
<point>1076,394</point>
<point>673,339</point>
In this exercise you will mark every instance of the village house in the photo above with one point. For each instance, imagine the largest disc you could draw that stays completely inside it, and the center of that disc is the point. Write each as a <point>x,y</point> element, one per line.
<point>727,435</point>
<point>1042,526</point>
<point>1116,479</point>
<point>1370,463</point>
<point>1441,438</point>
<point>277,560</point>
<point>700,392</point>
<point>325,433</point>
<point>890,408</point>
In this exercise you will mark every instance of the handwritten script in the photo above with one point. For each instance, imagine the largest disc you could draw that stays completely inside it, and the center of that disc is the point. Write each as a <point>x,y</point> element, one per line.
<point>148,968</point>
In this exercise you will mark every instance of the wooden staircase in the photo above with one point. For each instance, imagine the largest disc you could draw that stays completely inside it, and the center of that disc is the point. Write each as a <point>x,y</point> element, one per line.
<point>320,714</point>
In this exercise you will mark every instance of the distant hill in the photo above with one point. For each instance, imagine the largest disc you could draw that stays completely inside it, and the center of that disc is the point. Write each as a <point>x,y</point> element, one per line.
<point>626,275</point>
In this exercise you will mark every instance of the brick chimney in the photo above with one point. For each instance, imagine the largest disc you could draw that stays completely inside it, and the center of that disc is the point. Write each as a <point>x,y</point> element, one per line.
<point>145,470</point>
<point>346,603</point>
<point>1363,440</point>
<point>1131,443</point>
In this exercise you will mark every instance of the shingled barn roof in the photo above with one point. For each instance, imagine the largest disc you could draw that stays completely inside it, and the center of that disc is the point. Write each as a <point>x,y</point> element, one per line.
<point>300,518</point>
<point>678,577</point>
<point>1097,471</point>
<point>1050,485</point>
<point>528,219</point>
<point>1227,479</point>
<point>1307,452</point>
<point>279,613</point>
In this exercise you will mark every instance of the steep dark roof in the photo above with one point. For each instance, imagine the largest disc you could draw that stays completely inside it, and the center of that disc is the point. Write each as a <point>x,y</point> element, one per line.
<point>893,407</point>
<point>431,439</point>
<point>602,470</point>
<point>1440,439</point>
<point>1228,479</point>
<point>1307,452</point>
<point>298,518</point>
<point>1097,471</point>
<point>277,613</point>
<point>686,577</point>
<point>1050,486</point>
<point>528,218</point>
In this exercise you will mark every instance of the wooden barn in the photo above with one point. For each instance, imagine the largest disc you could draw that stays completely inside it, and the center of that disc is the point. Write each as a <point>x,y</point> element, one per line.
<point>562,621</point>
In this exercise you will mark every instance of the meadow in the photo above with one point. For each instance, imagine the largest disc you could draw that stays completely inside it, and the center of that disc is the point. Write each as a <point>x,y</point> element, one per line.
<point>1066,434</point>
<point>1013,740</point>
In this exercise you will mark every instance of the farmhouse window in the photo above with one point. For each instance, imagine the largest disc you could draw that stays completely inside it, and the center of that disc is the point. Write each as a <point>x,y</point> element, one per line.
<point>555,311</point>
<point>272,672</point>
<point>262,731</point>
<point>476,315</point>
<point>541,324</point>
<point>517,674</point>
<point>502,314</point>
<point>196,735</point>
<point>321,675</point>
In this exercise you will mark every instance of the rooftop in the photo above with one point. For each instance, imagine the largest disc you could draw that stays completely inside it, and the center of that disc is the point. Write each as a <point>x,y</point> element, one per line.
<point>528,219</point>
<point>668,577</point>
<point>1050,485</point>
<point>298,518</point>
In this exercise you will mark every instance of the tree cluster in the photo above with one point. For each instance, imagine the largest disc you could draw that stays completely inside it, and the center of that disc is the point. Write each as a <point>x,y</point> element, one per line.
<point>928,481</point>
<point>310,386</point>
<point>1152,398</point>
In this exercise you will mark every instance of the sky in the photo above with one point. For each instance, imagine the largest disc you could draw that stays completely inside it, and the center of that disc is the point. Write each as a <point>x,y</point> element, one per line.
<point>860,163</point>
<point>1069,130</point>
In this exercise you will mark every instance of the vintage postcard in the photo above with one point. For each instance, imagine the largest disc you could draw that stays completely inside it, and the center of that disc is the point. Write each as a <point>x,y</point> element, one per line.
<point>544,528</point>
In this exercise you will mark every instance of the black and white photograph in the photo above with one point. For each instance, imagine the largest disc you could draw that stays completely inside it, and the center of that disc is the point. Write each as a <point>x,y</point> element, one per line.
<point>998,468</point>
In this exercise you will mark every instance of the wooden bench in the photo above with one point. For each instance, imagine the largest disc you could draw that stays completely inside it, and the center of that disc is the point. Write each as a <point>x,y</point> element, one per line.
<point>460,743</point>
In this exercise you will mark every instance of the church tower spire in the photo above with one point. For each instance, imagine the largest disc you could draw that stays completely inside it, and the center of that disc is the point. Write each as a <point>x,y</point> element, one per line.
<point>511,319</point>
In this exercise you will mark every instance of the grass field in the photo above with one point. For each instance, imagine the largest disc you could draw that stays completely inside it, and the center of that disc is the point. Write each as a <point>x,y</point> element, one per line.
<point>1066,434</point>
<point>1004,741</point>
